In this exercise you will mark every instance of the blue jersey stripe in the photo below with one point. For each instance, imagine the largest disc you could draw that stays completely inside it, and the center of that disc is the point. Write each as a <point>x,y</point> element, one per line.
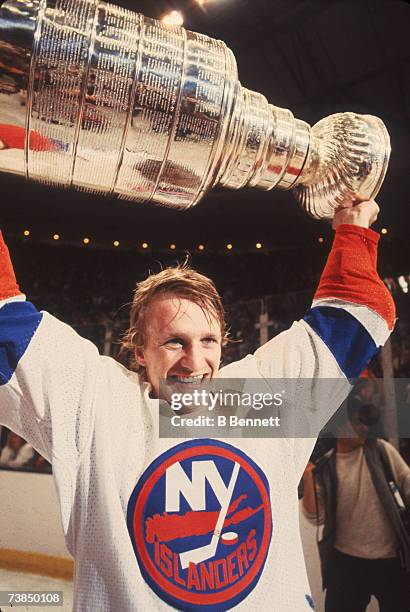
<point>18,323</point>
<point>350,343</point>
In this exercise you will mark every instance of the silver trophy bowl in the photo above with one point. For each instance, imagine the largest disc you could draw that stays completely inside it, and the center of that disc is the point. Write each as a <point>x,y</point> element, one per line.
<point>105,100</point>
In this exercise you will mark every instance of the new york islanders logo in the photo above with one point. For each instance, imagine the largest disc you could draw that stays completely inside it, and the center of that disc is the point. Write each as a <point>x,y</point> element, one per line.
<point>200,524</point>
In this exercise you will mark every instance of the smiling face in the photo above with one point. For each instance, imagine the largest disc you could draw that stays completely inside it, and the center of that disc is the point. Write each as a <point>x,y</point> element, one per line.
<point>183,343</point>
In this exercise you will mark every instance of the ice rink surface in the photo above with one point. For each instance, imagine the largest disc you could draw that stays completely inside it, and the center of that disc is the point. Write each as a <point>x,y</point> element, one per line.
<point>18,581</point>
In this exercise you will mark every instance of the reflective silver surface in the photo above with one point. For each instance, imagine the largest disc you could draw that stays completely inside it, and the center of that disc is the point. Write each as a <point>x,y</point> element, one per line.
<point>106,100</point>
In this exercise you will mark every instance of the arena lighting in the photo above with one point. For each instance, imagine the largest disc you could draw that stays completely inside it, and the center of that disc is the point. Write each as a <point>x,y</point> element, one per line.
<point>26,233</point>
<point>404,285</point>
<point>229,246</point>
<point>201,247</point>
<point>173,18</point>
<point>320,239</point>
<point>145,245</point>
<point>172,246</point>
<point>258,245</point>
<point>56,237</point>
<point>86,240</point>
<point>116,243</point>
<point>384,230</point>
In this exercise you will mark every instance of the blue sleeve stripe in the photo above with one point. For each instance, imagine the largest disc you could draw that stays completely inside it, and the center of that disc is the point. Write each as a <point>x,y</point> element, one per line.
<point>18,323</point>
<point>350,343</point>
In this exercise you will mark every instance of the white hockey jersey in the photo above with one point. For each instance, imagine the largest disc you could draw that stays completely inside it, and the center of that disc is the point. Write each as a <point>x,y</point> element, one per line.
<point>133,505</point>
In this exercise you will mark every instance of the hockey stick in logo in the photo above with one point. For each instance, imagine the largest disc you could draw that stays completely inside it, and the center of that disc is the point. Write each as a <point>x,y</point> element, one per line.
<point>197,555</point>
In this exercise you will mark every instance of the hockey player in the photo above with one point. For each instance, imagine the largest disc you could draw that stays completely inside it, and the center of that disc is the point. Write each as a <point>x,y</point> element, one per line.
<point>196,524</point>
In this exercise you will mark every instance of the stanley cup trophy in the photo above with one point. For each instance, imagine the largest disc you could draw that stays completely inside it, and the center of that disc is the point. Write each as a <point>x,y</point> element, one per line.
<point>108,101</point>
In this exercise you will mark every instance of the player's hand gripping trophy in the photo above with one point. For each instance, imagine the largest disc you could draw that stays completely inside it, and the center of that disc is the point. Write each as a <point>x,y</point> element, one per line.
<point>106,100</point>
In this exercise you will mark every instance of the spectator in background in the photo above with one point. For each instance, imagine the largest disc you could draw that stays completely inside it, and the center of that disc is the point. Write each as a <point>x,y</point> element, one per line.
<point>40,464</point>
<point>347,492</point>
<point>17,453</point>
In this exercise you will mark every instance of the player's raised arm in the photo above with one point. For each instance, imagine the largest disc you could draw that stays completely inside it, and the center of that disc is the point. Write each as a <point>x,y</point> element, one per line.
<point>352,312</point>
<point>9,289</point>
<point>46,369</point>
<point>351,317</point>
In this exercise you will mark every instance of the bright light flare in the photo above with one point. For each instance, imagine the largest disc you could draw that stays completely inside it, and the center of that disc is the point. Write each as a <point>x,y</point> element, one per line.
<point>173,18</point>
<point>404,285</point>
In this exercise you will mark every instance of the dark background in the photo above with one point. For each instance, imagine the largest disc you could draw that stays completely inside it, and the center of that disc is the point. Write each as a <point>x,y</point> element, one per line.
<point>313,57</point>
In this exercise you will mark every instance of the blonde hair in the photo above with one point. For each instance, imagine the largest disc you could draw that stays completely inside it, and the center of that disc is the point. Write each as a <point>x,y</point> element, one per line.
<point>181,281</point>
